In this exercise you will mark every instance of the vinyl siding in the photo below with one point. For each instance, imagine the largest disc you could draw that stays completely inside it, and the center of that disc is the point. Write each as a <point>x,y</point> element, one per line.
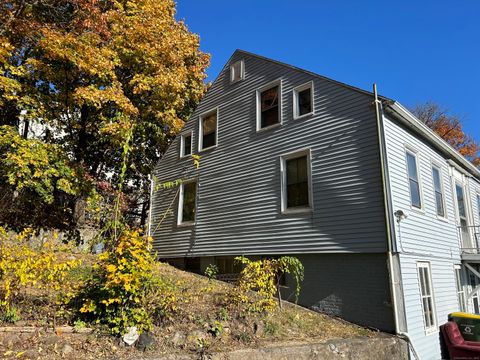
<point>238,204</point>
<point>422,236</point>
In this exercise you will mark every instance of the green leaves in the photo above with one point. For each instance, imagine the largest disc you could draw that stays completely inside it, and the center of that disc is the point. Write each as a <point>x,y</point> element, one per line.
<point>35,166</point>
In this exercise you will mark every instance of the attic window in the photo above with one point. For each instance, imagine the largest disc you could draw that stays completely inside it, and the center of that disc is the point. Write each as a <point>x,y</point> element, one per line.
<point>237,71</point>
<point>303,100</point>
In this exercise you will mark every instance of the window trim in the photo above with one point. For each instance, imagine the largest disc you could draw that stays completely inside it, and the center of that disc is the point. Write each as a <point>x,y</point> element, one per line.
<point>442,189</point>
<point>258,92</point>
<point>477,198</point>
<point>200,130</point>
<point>296,90</point>
<point>242,71</point>
<point>283,182</point>
<point>434,328</point>
<point>180,222</point>
<point>462,292</point>
<point>415,153</point>
<point>182,143</point>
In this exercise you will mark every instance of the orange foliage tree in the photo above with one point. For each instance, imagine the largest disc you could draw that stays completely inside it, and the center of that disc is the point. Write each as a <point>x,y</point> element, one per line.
<point>93,71</point>
<point>449,127</point>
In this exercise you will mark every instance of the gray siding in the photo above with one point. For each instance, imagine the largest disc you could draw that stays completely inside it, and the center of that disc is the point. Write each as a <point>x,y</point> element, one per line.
<point>238,205</point>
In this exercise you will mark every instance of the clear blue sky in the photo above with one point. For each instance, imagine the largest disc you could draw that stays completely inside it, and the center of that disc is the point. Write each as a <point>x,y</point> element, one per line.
<point>415,51</point>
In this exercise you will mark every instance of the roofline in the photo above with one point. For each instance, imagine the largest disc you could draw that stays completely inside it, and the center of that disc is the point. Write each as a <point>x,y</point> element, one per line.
<point>408,119</point>
<point>357,89</point>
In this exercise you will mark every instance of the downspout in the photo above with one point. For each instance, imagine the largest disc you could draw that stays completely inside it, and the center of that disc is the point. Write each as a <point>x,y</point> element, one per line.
<point>149,226</point>
<point>389,222</point>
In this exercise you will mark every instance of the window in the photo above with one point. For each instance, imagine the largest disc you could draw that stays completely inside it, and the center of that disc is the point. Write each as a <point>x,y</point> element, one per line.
<point>269,105</point>
<point>187,203</point>
<point>296,182</point>
<point>412,169</point>
<point>478,207</point>
<point>460,288</point>
<point>303,100</point>
<point>237,71</point>
<point>426,295</point>
<point>208,130</point>
<point>186,144</point>
<point>438,186</point>
<point>474,282</point>
<point>462,215</point>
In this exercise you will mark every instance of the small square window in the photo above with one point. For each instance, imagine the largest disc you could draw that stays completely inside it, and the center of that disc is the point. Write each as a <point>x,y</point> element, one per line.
<point>237,71</point>
<point>303,100</point>
<point>208,130</point>
<point>186,144</point>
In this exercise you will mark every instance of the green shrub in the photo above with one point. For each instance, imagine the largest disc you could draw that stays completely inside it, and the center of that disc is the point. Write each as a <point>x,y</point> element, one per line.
<point>124,290</point>
<point>211,271</point>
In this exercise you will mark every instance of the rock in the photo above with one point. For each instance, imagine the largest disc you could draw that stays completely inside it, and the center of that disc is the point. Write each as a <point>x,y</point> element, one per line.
<point>145,341</point>
<point>258,328</point>
<point>66,349</point>
<point>196,335</point>
<point>178,340</point>
<point>51,340</point>
<point>9,340</point>
<point>131,336</point>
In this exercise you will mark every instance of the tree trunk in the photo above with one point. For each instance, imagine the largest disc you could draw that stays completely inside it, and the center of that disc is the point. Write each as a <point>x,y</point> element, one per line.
<point>79,212</point>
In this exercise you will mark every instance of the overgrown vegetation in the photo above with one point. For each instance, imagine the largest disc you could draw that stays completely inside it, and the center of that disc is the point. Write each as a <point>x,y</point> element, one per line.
<point>24,266</point>
<point>124,290</point>
<point>264,277</point>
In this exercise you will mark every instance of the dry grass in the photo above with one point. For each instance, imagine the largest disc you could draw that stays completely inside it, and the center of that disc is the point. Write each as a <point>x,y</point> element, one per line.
<point>206,322</point>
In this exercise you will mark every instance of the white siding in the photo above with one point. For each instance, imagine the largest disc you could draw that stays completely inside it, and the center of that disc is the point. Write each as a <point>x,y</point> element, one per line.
<point>423,236</point>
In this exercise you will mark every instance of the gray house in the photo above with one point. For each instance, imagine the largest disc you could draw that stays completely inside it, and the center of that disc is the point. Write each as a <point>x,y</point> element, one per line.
<point>379,209</point>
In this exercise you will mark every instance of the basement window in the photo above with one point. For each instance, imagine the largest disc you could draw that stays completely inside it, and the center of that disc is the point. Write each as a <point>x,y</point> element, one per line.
<point>426,296</point>
<point>187,203</point>
<point>269,105</point>
<point>296,182</point>
<point>237,71</point>
<point>186,144</point>
<point>208,130</point>
<point>303,100</point>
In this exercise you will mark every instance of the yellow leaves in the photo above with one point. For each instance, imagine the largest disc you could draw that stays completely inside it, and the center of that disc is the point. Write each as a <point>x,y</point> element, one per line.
<point>22,266</point>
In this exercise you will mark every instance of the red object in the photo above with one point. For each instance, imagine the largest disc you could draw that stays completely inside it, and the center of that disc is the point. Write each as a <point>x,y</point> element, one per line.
<point>458,348</point>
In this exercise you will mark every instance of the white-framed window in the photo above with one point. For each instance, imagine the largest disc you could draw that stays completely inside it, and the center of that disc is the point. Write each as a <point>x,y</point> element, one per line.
<point>426,296</point>
<point>478,207</point>
<point>459,284</point>
<point>303,100</point>
<point>269,105</point>
<point>187,203</point>
<point>208,130</point>
<point>186,144</point>
<point>413,174</point>
<point>439,191</point>
<point>462,214</point>
<point>296,182</point>
<point>237,71</point>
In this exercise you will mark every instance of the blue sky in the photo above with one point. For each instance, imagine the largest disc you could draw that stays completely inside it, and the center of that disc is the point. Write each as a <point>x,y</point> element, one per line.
<point>415,51</point>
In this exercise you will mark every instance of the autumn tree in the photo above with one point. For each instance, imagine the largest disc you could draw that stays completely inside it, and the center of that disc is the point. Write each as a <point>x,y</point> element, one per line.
<point>449,127</point>
<point>93,71</point>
